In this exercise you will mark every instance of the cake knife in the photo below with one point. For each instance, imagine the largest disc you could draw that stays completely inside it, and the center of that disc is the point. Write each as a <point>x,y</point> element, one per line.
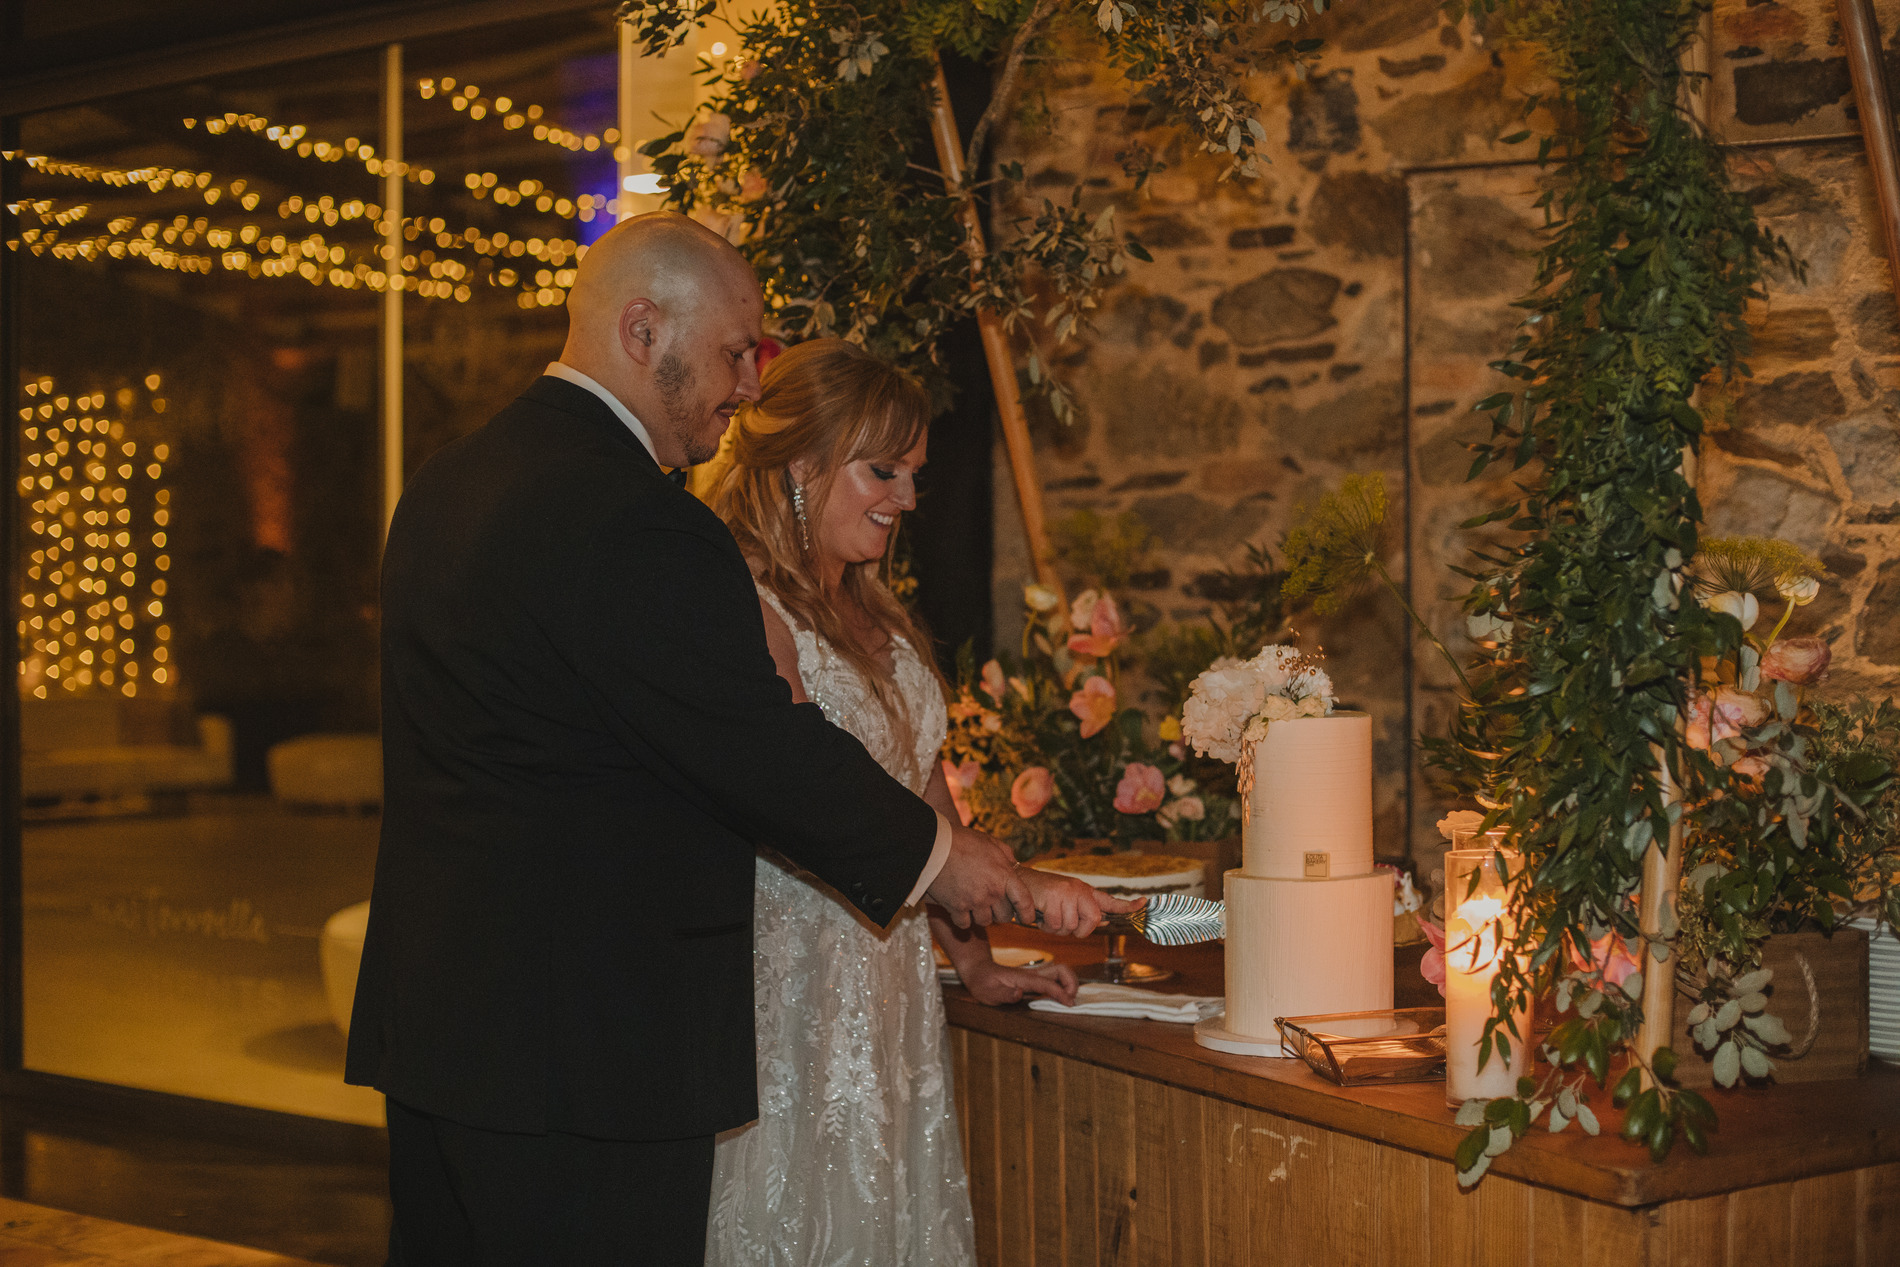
<point>1173,919</point>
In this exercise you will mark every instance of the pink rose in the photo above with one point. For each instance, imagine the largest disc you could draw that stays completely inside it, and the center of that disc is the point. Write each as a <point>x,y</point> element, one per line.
<point>1613,957</point>
<point>1797,661</point>
<point>1723,714</point>
<point>992,682</point>
<point>1141,790</point>
<point>1094,705</point>
<point>960,779</point>
<point>1432,965</point>
<point>752,186</point>
<point>710,135</point>
<point>1032,790</point>
<point>1105,630</point>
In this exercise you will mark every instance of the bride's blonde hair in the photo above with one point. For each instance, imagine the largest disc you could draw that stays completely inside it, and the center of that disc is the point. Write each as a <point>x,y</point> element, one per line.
<point>827,402</point>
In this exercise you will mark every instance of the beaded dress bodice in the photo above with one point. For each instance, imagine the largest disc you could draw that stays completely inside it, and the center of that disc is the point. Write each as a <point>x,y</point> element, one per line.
<point>855,1157</point>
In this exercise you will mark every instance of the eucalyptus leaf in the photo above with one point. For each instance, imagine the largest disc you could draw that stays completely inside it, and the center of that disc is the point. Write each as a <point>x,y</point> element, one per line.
<point>1728,1015</point>
<point>1751,982</point>
<point>1727,1064</point>
<point>1753,1002</point>
<point>1755,1062</point>
<point>1501,1141</point>
<point>1587,1120</point>
<point>1769,1028</point>
<point>1470,1113</point>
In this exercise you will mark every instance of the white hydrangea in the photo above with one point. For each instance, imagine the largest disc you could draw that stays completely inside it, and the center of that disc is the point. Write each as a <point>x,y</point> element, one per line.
<point>1232,702</point>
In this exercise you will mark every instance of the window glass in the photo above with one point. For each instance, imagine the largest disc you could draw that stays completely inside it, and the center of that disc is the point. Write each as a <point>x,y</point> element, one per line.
<point>201,292</point>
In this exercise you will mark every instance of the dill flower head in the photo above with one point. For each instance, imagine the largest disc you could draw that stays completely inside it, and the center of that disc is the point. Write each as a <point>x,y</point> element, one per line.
<point>1334,546</point>
<point>1763,566</point>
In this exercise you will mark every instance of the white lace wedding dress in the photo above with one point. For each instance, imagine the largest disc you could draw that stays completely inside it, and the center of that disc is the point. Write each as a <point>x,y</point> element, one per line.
<point>855,1160</point>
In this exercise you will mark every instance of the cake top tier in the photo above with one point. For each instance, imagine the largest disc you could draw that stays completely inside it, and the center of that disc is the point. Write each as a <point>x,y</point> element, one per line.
<point>1310,813</point>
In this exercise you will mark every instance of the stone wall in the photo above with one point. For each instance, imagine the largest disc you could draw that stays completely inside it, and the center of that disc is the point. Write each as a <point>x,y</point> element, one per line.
<point>1336,316</point>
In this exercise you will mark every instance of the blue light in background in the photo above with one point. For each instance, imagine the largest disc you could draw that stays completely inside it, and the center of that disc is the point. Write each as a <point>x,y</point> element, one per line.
<point>590,103</point>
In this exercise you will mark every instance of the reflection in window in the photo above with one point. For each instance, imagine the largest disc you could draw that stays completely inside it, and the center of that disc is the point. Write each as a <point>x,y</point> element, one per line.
<point>202,280</point>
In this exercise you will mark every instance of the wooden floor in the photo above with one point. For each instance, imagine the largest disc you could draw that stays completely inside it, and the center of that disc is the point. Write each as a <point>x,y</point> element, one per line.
<point>34,1236</point>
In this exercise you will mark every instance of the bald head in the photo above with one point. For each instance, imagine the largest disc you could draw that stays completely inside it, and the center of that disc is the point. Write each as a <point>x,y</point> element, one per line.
<point>664,313</point>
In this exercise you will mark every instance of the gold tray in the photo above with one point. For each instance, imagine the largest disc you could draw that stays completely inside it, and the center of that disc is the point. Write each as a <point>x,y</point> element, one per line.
<point>1356,1049</point>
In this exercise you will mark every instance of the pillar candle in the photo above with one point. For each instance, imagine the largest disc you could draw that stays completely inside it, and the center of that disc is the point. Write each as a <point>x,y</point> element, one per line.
<point>1473,937</point>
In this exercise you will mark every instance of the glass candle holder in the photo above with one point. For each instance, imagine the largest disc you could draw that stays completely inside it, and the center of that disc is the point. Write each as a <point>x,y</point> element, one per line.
<point>1476,928</point>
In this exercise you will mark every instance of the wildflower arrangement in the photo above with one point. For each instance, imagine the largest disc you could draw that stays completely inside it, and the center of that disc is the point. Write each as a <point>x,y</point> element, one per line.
<point>1049,750</point>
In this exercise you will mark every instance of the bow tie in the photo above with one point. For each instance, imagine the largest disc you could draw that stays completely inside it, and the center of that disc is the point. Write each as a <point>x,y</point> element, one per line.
<point>678,476</point>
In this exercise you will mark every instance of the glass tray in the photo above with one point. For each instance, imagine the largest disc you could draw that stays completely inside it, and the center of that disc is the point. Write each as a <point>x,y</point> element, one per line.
<point>1356,1049</point>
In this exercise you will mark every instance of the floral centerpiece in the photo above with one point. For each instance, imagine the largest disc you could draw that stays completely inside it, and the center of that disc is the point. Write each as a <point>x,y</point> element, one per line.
<point>1049,750</point>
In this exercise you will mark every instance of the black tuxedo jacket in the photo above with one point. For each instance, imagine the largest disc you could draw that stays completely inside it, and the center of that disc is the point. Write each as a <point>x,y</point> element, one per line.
<point>584,738</point>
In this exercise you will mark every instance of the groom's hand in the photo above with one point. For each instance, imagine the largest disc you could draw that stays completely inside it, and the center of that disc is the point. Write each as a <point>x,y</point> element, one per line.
<point>980,883</point>
<point>1069,906</point>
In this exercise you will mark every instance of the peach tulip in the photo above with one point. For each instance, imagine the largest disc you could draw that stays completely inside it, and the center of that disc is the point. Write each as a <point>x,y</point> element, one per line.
<point>1105,628</point>
<point>1094,705</point>
<point>992,681</point>
<point>1032,790</point>
<point>960,779</point>
<point>1141,790</point>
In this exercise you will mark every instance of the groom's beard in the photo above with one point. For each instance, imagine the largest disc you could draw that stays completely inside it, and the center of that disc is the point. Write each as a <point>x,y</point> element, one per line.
<point>675,379</point>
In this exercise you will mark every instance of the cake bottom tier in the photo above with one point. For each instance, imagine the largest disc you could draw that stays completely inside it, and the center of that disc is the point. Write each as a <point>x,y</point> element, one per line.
<point>1301,947</point>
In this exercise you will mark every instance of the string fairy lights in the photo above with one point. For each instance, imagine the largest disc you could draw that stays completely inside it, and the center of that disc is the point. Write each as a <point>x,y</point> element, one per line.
<point>257,252</point>
<point>93,597</point>
<point>467,97</point>
<point>294,137</point>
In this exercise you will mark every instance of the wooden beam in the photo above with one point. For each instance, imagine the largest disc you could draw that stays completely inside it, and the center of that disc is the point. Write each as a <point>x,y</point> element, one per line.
<point>996,349</point>
<point>1861,32</point>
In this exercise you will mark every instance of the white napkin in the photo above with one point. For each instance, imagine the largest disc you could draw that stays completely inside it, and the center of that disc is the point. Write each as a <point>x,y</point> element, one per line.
<point>1094,999</point>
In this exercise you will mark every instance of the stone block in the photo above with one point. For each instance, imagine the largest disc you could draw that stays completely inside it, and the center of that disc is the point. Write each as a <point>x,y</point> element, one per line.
<point>1184,521</point>
<point>1802,399</point>
<point>1761,503</point>
<point>1363,211</point>
<point>1878,633</point>
<point>1278,306</point>
<point>1868,448</point>
<point>1791,336</point>
<point>1362,427</point>
<point>1149,409</point>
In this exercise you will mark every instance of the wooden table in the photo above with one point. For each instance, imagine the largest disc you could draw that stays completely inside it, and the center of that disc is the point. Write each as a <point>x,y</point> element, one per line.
<point>1099,1141</point>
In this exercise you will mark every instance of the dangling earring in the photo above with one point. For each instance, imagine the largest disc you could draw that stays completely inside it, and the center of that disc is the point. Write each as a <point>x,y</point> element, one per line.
<point>798,508</point>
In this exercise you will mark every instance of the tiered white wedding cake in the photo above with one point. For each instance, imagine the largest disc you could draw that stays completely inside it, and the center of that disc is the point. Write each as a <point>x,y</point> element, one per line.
<point>1309,921</point>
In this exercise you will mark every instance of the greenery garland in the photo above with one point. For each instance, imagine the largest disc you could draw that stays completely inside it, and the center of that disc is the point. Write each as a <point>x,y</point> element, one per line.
<point>810,155</point>
<point>1649,263</point>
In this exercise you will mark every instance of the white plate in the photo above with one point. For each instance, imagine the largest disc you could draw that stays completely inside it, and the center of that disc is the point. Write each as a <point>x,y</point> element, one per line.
<point>1008,956</point>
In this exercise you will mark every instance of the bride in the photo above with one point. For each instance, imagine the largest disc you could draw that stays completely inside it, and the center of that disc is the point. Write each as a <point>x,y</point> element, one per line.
<point>855,1156</point>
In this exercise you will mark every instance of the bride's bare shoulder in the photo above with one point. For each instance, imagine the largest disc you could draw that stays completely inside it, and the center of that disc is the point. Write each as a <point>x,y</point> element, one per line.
<point>784,648</point>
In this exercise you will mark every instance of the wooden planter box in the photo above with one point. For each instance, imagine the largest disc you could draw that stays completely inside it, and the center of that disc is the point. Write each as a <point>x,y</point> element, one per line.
<point>1820,994</point>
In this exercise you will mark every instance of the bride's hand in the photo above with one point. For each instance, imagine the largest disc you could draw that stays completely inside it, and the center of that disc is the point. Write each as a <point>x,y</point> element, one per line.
<point>991,983</point>
<point>1068,906</point>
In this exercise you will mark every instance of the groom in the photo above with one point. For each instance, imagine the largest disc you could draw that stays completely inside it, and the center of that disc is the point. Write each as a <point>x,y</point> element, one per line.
<point>584,740</point>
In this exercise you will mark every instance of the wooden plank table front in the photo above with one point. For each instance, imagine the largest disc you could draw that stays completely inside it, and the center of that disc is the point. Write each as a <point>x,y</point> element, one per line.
<point>1095,1142</point>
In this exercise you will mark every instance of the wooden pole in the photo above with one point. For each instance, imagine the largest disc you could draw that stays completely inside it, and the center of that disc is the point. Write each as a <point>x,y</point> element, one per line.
<point>1662,863</point>
<point>1662,876</point>
<point>996,349</point>
<point>1862,35</point>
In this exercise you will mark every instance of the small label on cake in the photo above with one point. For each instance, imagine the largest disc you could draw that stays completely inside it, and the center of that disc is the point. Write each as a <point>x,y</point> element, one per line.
<point>1319,866</point>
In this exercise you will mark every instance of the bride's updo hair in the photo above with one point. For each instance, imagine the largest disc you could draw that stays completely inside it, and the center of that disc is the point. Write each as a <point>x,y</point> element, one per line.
<point>829,403</point>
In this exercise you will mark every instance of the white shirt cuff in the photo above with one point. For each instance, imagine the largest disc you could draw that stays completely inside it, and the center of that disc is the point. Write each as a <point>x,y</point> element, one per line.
<point>939,854</point>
